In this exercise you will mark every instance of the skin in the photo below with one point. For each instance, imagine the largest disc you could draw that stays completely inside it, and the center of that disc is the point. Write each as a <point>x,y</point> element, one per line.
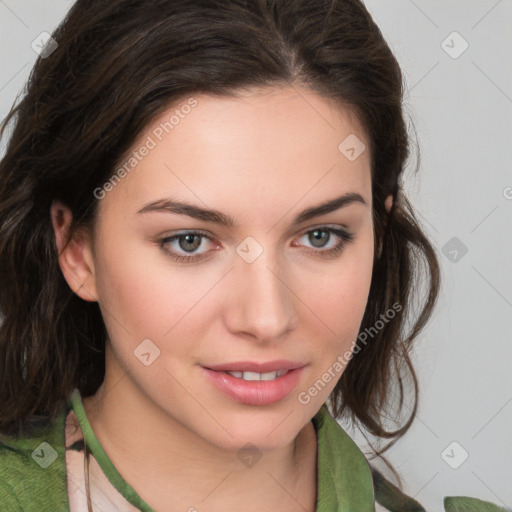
<point>262,158</point>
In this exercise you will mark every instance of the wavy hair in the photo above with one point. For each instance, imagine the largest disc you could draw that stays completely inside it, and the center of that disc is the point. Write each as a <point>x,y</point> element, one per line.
<point>120,63</point>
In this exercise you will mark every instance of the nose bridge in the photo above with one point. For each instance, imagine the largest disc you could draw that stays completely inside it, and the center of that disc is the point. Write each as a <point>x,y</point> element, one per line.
<point>263,304</point>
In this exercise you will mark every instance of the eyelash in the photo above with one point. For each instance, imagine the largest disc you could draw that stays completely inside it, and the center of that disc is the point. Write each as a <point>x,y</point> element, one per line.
<point>345,238</point>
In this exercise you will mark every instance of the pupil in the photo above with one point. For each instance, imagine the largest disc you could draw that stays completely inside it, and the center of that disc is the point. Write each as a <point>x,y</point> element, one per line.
<point>319,237</point>
<point>189,240</point>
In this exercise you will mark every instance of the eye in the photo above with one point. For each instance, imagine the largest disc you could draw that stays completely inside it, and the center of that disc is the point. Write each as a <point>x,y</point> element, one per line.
<point>183,246</point>
<point>186,246</point>
<point>327,241</point>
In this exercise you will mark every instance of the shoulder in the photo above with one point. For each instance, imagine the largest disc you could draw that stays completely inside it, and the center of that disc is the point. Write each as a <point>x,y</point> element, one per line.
<point>11,478</point>
<point>340,453</point>
<point>33,468</point>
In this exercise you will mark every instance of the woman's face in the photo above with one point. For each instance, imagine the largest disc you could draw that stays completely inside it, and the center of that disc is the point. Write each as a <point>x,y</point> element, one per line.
<point>266,280</point>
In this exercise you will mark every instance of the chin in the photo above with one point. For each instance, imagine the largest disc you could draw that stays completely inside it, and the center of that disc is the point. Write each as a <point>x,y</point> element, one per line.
<point>268,429</point>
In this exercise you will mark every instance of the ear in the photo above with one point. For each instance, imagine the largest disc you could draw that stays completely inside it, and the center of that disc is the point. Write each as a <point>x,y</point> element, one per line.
<point>388,203</point>
<point>75,258</point>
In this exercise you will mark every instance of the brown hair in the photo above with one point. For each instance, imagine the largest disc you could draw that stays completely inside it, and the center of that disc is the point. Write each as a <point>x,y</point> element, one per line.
<point>117,65</point>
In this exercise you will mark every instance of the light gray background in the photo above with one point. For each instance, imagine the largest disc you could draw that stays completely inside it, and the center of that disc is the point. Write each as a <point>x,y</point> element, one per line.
<point>461,109</point>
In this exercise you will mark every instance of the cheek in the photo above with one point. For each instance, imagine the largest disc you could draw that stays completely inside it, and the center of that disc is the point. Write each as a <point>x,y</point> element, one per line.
<point>152,300</point>
<point>337,300</point>
<point>142,296</point>
<point>339,294</point>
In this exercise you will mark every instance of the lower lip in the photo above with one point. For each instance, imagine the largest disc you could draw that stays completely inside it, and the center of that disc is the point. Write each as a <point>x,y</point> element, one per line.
<point>255,392</point>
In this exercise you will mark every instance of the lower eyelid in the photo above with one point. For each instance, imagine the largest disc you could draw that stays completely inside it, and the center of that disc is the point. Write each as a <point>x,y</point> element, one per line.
<point>344,236</point>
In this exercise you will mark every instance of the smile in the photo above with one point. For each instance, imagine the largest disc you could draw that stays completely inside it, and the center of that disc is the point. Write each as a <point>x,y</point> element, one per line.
<point>258,376</point>
<point>254,388</point>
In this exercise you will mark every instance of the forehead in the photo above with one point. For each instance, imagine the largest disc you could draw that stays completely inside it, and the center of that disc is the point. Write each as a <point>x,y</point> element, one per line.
<point>258,145</point>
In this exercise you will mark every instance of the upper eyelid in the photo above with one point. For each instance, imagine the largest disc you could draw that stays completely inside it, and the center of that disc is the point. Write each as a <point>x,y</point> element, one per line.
<point>302,232</point>
<point>181,232</point>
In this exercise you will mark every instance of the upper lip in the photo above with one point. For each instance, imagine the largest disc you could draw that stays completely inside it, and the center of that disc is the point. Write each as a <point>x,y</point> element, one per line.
<point>252,366</point>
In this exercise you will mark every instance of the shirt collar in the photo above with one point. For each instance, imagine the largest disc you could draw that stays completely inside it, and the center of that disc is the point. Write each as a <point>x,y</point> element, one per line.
<point>345,481</point>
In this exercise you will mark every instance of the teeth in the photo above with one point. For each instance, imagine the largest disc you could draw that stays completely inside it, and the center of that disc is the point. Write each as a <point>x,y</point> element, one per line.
<point>258,376</point>
<point>253,375</point>
<point>268,376</point>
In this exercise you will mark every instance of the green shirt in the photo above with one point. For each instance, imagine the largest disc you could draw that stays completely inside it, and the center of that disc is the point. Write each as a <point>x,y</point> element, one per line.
<point>33,475</point>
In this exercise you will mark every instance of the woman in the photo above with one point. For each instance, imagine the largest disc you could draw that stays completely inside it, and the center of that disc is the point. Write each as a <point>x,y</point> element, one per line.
<point>204,242</point>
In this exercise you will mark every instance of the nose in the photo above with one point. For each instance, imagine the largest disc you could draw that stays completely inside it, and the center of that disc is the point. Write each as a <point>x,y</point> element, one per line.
<point>262,303</point>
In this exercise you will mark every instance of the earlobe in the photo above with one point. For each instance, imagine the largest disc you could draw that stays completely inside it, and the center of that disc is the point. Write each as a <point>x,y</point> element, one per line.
<point>388,203</point>
<point>75,258</point>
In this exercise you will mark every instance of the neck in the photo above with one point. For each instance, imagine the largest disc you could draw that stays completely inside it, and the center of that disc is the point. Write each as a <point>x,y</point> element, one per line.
<point>173,468</point>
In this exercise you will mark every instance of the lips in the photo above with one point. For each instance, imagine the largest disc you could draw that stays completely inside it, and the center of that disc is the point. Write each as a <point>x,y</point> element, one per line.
<point>255,367</point>
<point>255,391</point>
<point>256,383</point>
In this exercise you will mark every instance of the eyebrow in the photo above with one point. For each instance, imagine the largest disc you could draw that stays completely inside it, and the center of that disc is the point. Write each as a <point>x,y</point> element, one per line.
<point>217,217</point>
